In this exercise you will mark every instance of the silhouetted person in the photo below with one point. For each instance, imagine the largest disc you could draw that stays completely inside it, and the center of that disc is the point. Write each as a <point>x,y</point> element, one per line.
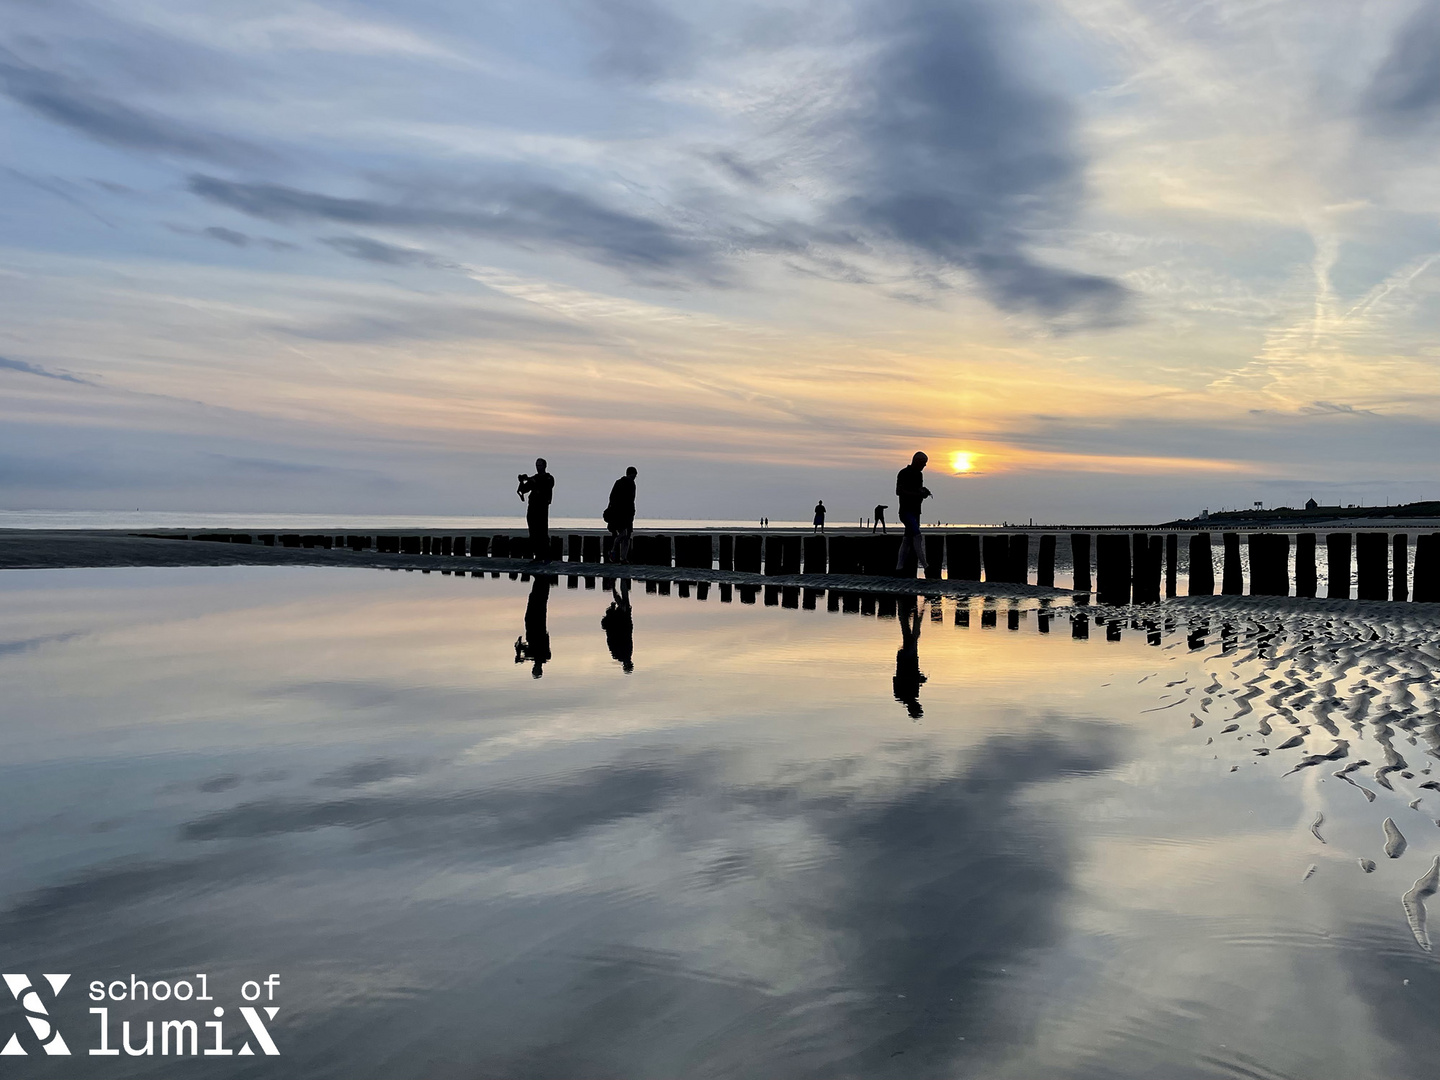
<point>541,487</point>
<point>908,679</point>
<point>911,489</point>
<point>879,522</point>
<point>534,644</point>
<point>620,517</point>
<point>619,627</point>
<point>820,516</point>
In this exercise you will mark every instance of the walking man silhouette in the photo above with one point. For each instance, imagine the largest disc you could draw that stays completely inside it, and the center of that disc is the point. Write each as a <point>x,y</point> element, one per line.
<point>620,517</point>
<point>541,488</point>
<point>820,516</point>
<point>911,489</point>
<point>879,522</point>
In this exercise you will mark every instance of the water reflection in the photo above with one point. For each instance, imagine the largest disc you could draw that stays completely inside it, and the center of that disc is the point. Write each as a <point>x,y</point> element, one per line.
<point>908,677</point>
<point>728,860</point>
<point>533,646</point>
<point>619,625</point>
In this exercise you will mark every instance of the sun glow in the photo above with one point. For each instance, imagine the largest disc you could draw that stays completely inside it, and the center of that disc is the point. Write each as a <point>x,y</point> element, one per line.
<point>962,461</point>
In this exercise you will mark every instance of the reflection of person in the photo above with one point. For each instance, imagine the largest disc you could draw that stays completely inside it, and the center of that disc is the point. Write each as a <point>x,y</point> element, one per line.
<point>619,627</point>
<point>534,644</point>
<point>908,679</point>
<point>911,489</point>
<point>620,517</point>
<point>879,521</point>
<point>541,487</point>
<point>820,516</point>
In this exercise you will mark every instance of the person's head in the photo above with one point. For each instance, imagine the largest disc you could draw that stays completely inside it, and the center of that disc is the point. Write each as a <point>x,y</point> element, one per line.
<point>632,472</point>
<point>919,459</point>
<point>539,464</point>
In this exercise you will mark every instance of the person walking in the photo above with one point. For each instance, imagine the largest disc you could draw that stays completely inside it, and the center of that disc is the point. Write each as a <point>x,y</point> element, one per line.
<point>820,516</point>
<point>620,517</point>
<point>541,489</point>
<point>911,490</point>
<point>879,521</point>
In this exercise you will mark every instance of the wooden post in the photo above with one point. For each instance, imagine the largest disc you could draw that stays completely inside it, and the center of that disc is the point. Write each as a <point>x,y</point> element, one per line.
<point>1020,559</point>
<point>997,557</point>
<point>962,557</point>
<point>1172,565</point>
<point>790,555</point>
<point>1202,566</point>
<point>1337,561</point>
<point>1145,560</point>
<point>1305,576</point>
<point>816,561</point>
<point>590,549</point>
<point>727,553</point>
<point>747,554</point>
<point>774,556</point>
<point>1233,579</point>
<point>934,554</point>
<point>1144,587</point>
<point>1080,560</point>
<point>1269,564</point>
<point>1399,583</point>
<point>1045,568</point>
<point>1372,570</point>
<point>576,543</point>
<point>1427,569</point>
<point>1112,568</point>
<point>841,554</point>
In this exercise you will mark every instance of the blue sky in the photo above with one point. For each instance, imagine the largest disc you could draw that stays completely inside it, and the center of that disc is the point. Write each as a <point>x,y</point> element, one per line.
<point>1126,259</point>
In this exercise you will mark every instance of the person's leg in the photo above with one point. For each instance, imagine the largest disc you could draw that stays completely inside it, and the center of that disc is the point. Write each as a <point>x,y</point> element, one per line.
<point>626,535</point>
<point>539,536</point>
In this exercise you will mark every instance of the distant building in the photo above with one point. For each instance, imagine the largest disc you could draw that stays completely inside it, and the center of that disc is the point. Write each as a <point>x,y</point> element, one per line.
<point>1311,504</point>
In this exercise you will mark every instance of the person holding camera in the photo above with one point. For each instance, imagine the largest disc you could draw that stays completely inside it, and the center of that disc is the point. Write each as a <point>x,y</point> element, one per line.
<point>540,488</point>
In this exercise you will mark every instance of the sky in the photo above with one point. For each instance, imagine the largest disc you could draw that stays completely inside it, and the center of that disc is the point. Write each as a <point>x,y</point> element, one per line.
<point>1103,260</point>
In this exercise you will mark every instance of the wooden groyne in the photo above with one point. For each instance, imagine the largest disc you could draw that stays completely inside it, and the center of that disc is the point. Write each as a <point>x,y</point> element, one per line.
<point>1116,566</point>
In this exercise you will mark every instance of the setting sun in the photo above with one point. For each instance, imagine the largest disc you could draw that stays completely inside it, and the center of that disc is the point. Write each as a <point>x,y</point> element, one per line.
<point>962,461</point>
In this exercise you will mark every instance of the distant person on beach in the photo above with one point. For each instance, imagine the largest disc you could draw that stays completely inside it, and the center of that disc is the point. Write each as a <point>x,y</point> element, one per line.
<point>619,626</point>
<point>541,488</point>
<point>820,516</point>
<point>911,489</point>
<point>879,522</point>
<point>620,517</point>
<point>534,644</point>
<point>908,677</point>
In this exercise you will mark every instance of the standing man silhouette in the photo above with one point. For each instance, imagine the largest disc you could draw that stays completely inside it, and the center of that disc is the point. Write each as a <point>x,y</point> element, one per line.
<point>820,516</point>
<point>911,490</point>
<point>541,487</point>
<point>620,517</point>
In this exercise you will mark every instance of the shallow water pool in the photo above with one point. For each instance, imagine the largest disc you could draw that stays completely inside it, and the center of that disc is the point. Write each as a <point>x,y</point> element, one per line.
<point>482,827</point>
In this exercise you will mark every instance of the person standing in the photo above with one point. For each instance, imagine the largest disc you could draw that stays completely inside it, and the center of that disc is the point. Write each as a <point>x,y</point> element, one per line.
<point>620,517</point>
<point>911,490</point>
<point>820,516</point>
<point>878,522</point>
<point>540,488</point>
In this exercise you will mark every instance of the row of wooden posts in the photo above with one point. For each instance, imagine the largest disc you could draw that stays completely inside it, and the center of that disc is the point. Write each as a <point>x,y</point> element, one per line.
<point>1128,567</point>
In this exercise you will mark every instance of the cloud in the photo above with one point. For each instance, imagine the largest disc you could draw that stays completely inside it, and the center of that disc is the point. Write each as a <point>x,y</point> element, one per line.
<point>66,102</point>
<point>961,158</point>
<point>34,369</point>
<point>639,39</point>
<point>517,212</point>
<point>226,236</point>
<point>376,251</point>
<point>1405,91</point>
